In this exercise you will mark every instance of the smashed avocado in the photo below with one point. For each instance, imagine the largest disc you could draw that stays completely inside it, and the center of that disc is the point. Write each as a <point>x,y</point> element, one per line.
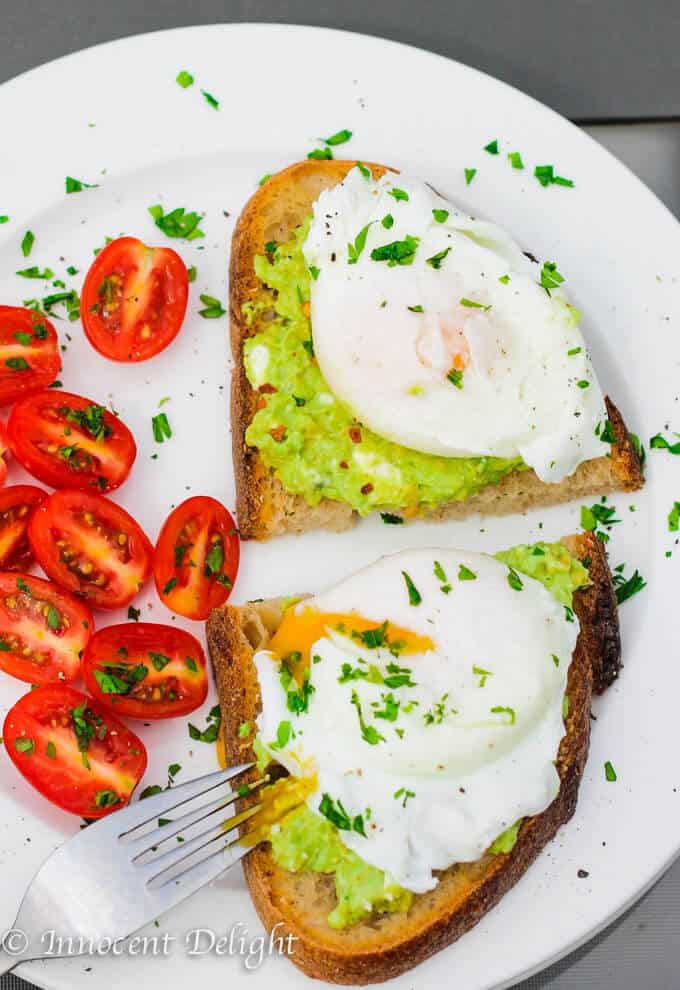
<point>303,840</point>
<point>551,564</point>
<point>311,440</point>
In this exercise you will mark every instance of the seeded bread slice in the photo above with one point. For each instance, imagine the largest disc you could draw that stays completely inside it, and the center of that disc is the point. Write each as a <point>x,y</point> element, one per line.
<point>264,506</point>
<point>387,945</point>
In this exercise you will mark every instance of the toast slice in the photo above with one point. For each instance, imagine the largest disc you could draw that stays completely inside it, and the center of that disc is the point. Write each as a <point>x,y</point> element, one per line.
<point>264,506</point>
<point>387,945</point>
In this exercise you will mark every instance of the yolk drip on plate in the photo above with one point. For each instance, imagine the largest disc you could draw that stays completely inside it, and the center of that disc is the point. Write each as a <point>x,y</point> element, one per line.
<point>299,631</point>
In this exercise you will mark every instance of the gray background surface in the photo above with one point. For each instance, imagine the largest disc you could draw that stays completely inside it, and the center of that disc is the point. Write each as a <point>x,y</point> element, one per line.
<point>593,60</point>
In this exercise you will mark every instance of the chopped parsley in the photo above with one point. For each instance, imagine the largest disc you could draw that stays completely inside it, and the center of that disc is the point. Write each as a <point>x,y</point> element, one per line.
<point>35,272</point>
<point>314,272</point>
<point>550,277</point>
<point>627,587</point>
<point>159,661</point>
<point>321,154</point>
<point>546,176</point>
<point>399,194</point>
<point>161,427</point>
<point>504,279</point>
<point>366,172</point>
<point>674,518</point>
<point>297,698</point>
<point>211,731</point>
<point>415,309</point>
<point>212,308</point>
<point>369,733</point>
<point>177,223</point>
<point>515,159</point>
<point>184,79</point>
<point>661,443</point>
<point>24,745</point>
<point>414,596</point>
<point>500,710</point>
<point>583,383</point>
<point>191,273</point>
<point>471,304</point>
<point>387,221</point>
<point>441,216</point>
<point>77,185</point>
<point>340,137</point>
<point>355,250</point>
<point>437,714</point>
<point>336,815</point>
<point>169,585</point>
<point>397,252</point>
<point>210,99</point>
<point>492,147</point>
<point>470,173</point>
<point>456,378</point>
<point>27,243</point>
<point>17,364</point>
<point>436,260</point>
<point>265,178</point>
<point>465,574</point>
<point>403,794</point>
<point>514,580</point>
<point>609,772</point>
<point>390,710</point>
<point>391,520</point>
<point>598,514</point>
<point>482,674</point>
<point>284,733</point>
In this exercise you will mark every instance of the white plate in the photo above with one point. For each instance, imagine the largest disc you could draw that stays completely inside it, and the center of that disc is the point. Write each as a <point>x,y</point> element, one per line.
<point>280,87</point>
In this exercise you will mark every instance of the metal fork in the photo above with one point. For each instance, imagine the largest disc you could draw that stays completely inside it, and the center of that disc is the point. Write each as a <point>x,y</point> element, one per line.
<point>124,870</point>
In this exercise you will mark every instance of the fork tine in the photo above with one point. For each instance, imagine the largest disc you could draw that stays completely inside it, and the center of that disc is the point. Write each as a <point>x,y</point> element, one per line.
<point>156,839</point>
<point>169,873</point>
<point>162,804</point>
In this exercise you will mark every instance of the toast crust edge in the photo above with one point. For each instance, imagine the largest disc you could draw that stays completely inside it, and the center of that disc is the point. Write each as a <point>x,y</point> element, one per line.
<point>234,633</point>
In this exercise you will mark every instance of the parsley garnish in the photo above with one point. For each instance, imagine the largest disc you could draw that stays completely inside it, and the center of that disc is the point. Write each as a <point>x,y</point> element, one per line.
<point>404,794</point>
<point>400,195</point>
<point>436,260</point>
<point>550,277</point>
<point>390,710</point>
<point>504,279</point>
<point>159,660</point>
<point>397,252</point>
<point>184,79</point>
<point>441,216</point>
<point>284,733</point>
<point>415,309</point>
<point>18,364</point>
<point>177,223</point>
<point>436,714</point>
<point>244,730</point>
<point>546,176</point>
<point>169,585</point>
<point>465,574</point>
<point>601,514</point>
<point>161,427</point>
<point>213,308</point>
<point>470,173</point>
<point>340,137</point>
<point>482,674</point>
<point>27,243</point>
<point>492,147</point>
<point>471,304</point>
<point>76,185</point>
<point>661,443</point>
<point>500,710</point>
<point>514,580</point>
<point>414,596</point>
<point>455,377</point>
<point>264,179</point>
<point>366,172</point>
<point>387,221</point>
<point>211,731</point>
<point>369,733</point>
<point>321,154</point>
<point>106,799</point>
<point>336,815</point>
<point>674,518</point>
<point>609,772</point>
<point>516,159</point>
<point>298,698</point>
<point>210,99</point>
<point>35,272</point>
<point>314,272</point>
<point>24,745</point>
<point>354,250</point>
<point>390,519</point>
<point>627,587</point>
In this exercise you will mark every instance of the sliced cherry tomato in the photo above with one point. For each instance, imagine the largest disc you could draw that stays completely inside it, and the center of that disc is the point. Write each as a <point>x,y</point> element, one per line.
<point>134,299</point>
<point>29,353</point>
<point>91,546</point>
<point>68,441</point>
<point>4,450</point>
<point>16,507</point>
<point>74,751</point>
<point>196,558</point>
<point>148,671</point>
<point>43,630</point>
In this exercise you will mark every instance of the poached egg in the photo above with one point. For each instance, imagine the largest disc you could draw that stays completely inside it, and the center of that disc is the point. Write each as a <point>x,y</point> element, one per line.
<point>436,332</point>
<point>421,701</point>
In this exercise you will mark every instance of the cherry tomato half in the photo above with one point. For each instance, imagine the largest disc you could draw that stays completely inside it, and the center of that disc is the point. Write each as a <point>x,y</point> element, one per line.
<point>148,671</point>
<point>196,558</point>
<point>29,353</point>
<point>91,546</point>
<point>16,507</point>
<point>43,630</point>
<point>68,441</point>
<point>74,751</point>
<point>134,299</point>
<point>4,450</point>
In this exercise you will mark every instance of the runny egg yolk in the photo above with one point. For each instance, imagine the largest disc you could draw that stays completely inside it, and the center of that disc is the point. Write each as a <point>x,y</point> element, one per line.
<point>299,631</point>
<point>277,800</point>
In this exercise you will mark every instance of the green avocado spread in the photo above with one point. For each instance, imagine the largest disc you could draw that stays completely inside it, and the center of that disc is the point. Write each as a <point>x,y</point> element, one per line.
<point>311,440</point>
<point>303,840</point>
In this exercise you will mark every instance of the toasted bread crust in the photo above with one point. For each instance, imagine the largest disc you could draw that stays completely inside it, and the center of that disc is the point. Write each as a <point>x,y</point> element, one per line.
<point>263,505</point>
<point>389,945</point>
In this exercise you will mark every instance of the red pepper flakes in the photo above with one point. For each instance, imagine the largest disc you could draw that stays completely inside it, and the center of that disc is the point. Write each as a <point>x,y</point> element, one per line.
<point>278,433</point>
<point>367,489</point>
<point>344,465</point>
<point>355,434</point>
<point>261,403</point>
<point>267,389</point>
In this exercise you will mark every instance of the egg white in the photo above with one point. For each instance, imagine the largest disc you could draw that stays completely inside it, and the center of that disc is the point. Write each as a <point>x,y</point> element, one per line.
<point>523,392</point>
<point>474,772</point>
